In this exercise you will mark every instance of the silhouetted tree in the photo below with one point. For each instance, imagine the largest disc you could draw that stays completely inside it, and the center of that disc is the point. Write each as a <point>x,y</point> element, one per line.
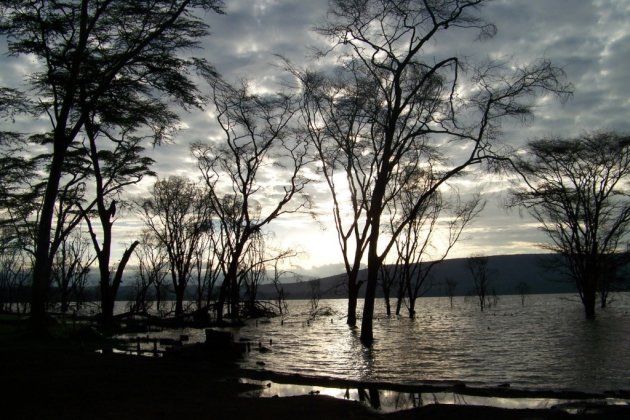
<point>478,267</point>
<point>415,241</point>
<point>207,269</point>
<point>281,302</point>
<point>451,285</point>
<point>316,295</point>
<point>257,137</point>
<point>178,214</point>
<point>391,111</point>
<point>577,189</point>
<point>152,270</point>
<point>14,273</point>
<point>522,289</point>
<point>113,169</point>
<point>71,266</point>
<point>92,56</point>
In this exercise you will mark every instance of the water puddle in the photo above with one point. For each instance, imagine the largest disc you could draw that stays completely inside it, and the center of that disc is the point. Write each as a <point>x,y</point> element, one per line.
<point>388,401</point>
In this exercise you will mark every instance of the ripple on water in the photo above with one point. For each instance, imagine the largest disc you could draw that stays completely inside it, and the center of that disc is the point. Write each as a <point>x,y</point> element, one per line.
<point>546,344</point>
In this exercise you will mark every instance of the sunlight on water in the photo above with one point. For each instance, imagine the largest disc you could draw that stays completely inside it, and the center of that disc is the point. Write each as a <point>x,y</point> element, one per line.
<point>545,344</point>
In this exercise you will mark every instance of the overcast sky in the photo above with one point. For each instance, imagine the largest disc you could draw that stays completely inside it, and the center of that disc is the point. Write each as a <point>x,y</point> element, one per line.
<point>590,39</point>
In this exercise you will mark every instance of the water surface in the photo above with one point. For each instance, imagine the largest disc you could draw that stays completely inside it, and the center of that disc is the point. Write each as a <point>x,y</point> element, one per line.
<point>545,344</point>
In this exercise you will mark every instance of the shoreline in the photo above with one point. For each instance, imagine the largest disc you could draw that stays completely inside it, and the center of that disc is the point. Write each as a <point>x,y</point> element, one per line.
<point>55,378</point>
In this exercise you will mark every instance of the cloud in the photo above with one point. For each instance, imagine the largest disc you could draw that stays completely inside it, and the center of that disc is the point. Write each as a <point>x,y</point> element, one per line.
<point>590,40</point>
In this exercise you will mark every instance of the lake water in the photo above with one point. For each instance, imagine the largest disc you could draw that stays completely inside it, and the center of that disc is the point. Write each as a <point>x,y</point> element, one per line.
<point>546,344</point>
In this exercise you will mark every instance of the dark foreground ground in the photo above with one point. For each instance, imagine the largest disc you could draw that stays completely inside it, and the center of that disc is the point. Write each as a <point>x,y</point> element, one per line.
<point>56,378</point>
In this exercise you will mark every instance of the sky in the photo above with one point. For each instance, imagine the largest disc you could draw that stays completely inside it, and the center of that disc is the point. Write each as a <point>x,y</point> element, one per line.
<point>589,39</point>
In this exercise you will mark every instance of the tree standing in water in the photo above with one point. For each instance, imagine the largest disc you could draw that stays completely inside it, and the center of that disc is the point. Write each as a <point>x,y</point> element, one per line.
<point>478,267</point>
<point>390,112</point>
<point>578,190</point>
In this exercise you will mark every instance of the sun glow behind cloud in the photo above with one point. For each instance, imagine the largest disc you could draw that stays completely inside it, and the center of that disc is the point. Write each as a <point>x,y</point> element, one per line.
<point>590,40</point>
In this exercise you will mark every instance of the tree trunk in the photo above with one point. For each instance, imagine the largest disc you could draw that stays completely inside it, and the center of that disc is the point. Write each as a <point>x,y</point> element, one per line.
<point>107,310</point>
<point>388,307</point>
<point>589,300</point>
<point>42,268</point>
<point>353,296</point>
<point>179,300</point>
<point>110,291</point>
<point>367,333</point>
<point>221,300</point>
<point>412,307</point>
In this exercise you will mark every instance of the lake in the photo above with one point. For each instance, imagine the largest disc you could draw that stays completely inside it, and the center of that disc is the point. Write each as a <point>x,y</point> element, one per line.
<point>545,344</point>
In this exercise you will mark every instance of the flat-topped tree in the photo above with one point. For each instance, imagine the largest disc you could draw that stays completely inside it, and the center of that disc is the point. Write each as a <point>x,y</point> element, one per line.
<point>90,54</point>
<point>392,107</point>
<point>577,189</point>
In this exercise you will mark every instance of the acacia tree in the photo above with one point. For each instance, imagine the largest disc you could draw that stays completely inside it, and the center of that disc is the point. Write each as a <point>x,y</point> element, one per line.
<point>178,214</point>
<point>256,138</point>
<point>392,111</point>
<point>577,190</point>
<point>91,54</point>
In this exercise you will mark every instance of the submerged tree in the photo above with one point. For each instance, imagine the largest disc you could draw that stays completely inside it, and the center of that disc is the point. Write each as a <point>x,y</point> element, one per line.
<point>522,288</point>
<point>578,191</point>
<point>391,111</point>
<point>478,267</point>
<point>256,138</point>
<point>90,56</point>
<point>415,243</point>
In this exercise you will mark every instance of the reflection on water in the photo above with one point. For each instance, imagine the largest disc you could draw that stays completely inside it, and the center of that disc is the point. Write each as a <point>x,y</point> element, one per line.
<point>546,344</point>
<point>389,400</point>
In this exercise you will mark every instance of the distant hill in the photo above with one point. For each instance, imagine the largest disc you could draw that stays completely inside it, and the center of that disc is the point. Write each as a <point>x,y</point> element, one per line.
<point>506,271</point>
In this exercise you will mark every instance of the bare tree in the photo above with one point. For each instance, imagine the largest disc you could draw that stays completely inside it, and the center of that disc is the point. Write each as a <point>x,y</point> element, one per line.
<point>71,266</point>
<point>91,55</point>
<point>207,270</point>
<point>152,271</point>
<point>178,214</point>
<point>478,267</point>
<point>522,288</point>
<point>390,112</point>
<point>577,190</point>
<point>257,137</point>
<point>316,295</point>
<point>451,285</point>
<point>281,302</point>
